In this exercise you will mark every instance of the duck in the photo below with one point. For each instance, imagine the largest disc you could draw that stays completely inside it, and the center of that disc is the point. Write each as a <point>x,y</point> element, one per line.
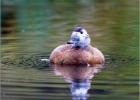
<point>77,51</point>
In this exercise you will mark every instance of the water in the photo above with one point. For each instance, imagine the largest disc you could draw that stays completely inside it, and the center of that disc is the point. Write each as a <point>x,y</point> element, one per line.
<point>32,29</point>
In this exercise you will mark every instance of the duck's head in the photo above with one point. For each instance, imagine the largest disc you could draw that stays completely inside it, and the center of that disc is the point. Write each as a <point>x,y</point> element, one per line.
<point>79,38</point>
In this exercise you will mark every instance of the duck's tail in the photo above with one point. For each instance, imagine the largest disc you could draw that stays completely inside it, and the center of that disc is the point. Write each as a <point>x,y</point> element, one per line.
<point>46,60</point>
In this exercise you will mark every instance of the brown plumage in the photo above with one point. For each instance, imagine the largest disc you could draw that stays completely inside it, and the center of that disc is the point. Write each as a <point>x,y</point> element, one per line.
<point>66,54</point>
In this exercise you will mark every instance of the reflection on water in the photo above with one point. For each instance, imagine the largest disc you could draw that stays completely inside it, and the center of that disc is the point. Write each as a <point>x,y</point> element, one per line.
<point>30,83</point>
<point>79,76</point>
<point>79,89</point>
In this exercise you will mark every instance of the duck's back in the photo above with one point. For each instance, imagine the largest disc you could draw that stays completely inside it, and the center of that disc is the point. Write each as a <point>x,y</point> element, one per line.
<point>65,54</point>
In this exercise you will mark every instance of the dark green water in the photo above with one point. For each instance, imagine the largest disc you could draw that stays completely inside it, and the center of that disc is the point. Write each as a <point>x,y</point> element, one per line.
<point>31,29</point>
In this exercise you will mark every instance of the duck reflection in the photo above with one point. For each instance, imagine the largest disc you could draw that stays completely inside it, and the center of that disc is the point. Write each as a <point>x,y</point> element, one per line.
<point>79,76</point>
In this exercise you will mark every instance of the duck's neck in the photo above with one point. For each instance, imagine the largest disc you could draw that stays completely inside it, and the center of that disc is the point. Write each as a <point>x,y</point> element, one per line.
<point>78,47</point>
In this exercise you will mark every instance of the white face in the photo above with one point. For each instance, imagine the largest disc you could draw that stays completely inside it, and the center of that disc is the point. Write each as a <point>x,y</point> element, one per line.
<point>80,38</point>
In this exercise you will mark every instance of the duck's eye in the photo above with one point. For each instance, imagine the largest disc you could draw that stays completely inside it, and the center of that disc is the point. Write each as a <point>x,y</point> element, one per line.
<point>81,32</point>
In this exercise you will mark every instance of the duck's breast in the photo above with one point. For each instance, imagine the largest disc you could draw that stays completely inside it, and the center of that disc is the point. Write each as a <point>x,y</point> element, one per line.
<point>65,54</point>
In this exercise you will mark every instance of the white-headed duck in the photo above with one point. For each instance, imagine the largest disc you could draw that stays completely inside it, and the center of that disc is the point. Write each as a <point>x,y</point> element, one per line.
<point>77,51</point>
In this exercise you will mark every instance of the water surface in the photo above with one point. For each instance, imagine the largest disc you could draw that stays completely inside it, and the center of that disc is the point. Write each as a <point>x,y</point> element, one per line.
<point>31,29</point>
